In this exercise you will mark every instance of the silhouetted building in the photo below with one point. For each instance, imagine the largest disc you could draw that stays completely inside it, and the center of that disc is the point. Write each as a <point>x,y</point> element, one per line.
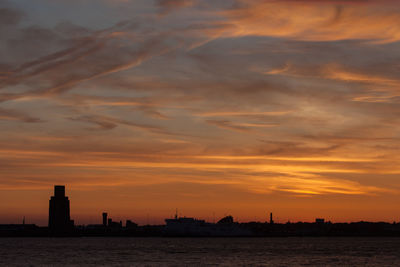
<point>16,230</point>
<point>112,224</point>
<point>59,216</point>
<point>226,220</point>
<point>61,225</point>
<point>130,225</point>
<point>104,219</point>
<point>184,226</point>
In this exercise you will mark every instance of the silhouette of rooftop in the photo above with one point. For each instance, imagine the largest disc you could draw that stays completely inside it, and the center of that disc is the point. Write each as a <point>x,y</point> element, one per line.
<point>60,224</point>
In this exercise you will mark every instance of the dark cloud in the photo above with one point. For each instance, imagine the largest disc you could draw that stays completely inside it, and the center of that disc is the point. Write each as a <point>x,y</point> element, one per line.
<point>14,115</point>
<point>10,16</point>
<point>225,124</point>
<point>170,5</point>
<point>293,149</point>
<point>101,122</point>
<point>84,59</point>
<point>108,123</point>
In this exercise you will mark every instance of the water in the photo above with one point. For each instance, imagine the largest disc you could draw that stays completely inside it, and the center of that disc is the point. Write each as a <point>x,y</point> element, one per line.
<point>200,251</point>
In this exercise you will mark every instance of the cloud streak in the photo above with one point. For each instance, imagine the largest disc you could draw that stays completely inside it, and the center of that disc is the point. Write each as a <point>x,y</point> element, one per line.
<point>316,20</point>
<point>14,115</point>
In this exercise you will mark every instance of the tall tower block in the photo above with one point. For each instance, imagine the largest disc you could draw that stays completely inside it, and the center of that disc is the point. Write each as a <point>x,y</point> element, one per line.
<point>105,219</point>
<point>59,216</point>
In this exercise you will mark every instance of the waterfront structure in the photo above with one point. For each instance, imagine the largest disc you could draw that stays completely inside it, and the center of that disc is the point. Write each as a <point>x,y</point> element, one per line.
<point>59,212</point>
<point>130,225</point>
<point>183,226</point>
<point>105,219</point>
<point>61,225</point>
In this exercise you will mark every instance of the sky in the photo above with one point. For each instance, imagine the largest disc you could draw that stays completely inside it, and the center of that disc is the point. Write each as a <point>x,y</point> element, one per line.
<point>214,108</point>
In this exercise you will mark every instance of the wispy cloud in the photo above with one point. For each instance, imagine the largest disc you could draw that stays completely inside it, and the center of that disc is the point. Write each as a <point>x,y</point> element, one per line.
<point>108,123</point>
<point>14,115</point>
<point>255,102</point>
<point>169,5</point>
<point>316,20</point>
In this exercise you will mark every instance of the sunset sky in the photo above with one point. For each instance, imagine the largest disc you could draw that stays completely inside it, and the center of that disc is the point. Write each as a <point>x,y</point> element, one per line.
<point>213,107</point>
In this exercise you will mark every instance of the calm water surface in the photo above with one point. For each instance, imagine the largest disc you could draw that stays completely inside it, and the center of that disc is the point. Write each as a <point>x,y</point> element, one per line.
<point>200,252</point>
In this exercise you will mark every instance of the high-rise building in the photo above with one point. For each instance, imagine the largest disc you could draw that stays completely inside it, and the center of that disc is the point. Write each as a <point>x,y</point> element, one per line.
<point>59,216</point>
<point>104,219</point>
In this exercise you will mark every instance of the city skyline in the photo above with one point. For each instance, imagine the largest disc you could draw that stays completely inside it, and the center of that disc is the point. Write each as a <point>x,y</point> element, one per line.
<point>240,107</point>
<point>59,217</point>
<point>60,224</point>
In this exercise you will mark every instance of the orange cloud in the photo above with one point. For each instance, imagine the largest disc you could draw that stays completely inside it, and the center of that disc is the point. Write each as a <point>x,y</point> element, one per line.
<point>316,20</point>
